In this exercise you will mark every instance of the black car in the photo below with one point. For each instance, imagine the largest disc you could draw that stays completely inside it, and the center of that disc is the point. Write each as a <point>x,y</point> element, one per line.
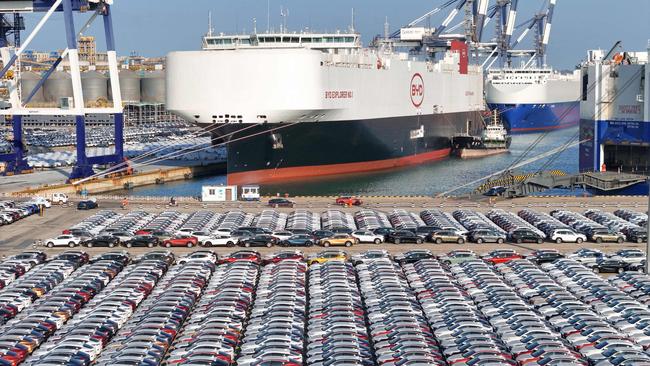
<point>300,240</point>
<point>525,236</point>
<point>87,205</point>
<point>121,257</point>
<point>413,256</point>
<point>486,236</point>
<point>259,241</point>
<point>143,241</point>
<point>606,265</point>
<point>636,235</point>
<point>544,256</point>
<point>103,241</point>
<point>320,234</point>
<point>280,202</point>
<point>77,257</point>
<point>404,236</point>
<point>495,191</point>
<point>161,255</point>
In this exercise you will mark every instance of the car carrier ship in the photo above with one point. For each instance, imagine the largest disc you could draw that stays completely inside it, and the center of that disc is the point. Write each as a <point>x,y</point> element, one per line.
<point>615,115</point>
<point>535,99</point>
<point>290,106</point>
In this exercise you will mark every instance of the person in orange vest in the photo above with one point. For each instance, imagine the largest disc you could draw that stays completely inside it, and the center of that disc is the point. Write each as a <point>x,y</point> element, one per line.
<point>603,168</point>
<point>125,203</point>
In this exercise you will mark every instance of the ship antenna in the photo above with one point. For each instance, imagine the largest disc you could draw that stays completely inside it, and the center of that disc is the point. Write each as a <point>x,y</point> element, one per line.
<point>254,26</point>
<point>210,30</point>
<point>386,29</point>
<point>352,30</point>
<point>268,16</point>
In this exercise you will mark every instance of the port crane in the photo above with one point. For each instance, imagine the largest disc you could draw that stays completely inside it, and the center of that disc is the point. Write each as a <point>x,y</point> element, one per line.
<point>15,160</point>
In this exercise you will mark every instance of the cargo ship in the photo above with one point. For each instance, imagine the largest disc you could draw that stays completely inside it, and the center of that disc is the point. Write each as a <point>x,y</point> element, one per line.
<point>534,99</point>
<point>290,106</point>
<point>615,115</point>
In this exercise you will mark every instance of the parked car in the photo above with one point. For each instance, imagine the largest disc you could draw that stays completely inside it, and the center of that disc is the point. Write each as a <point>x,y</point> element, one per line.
<point>264,240</point>
<point>218,241</point>
<point>495,191</point>
<point>338,240</point>
<point>280,202</point>
<point>458,256</point>
<point>446,236</point>
<point>59,198</point>
<point>544,256</point>
<point>567,236</point>
<point>525,236</point>
<point>328,255</point>
<point>501,256</point>
<point>87,204</point>
<point>102,241</point>
<point>348,201</point>
<point>413,256</point>
<point>367,236</point>
<point>62,241</point>
<point>181,241</point>
<point>609,265</point>
<point>629,256</point>
<point>486,236</point>
<point>604,235</point>
<point>300,240</point>
<point>143,241</point>
<point>404,236</point>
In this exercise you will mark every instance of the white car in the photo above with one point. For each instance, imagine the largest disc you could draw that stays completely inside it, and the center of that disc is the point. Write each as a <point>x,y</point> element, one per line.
<point>217,241</point>
<point>282,235</point>
<point>589,258</point>
<point>59,198</point>
<point>365,236</point>
<point>199,257</point>
<point>62,241</point>
<point>222,233</point>
<point>629,256</point>
<point>567,236</point>
<point>201,236</point>
<point>41,201</point>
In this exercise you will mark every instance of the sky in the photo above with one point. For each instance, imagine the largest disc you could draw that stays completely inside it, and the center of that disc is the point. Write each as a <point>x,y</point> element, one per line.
<point>156,27</point>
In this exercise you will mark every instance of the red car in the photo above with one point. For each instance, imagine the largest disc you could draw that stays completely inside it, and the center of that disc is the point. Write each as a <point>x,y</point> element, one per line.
<point>243,255</point>
<point>348,201</point>
<point>502,257</point>
<point>284,255</point>
<point>181,241</point>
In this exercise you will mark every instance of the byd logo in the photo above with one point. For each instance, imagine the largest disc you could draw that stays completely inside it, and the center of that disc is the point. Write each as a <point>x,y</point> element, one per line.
<point>417,90</point>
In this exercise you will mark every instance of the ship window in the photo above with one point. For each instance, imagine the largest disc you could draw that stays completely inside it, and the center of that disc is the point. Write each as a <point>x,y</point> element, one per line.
<point>197,116</point>
<point>245,41</point>
<point>317,40</point>
<point>214,116</point>
<point>278,39</point>
<point>349,39</point>
<point>227,116</point>
<point>585,86</point>
<point>306,40</point>
<point>329,39</point>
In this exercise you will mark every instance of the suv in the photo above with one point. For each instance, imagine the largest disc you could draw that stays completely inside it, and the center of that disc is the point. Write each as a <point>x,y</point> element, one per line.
<point>446,236</point>
<point>486,236</point>
<point>604,235</point>
<point>404,236</point>
<point>526,236</point>
<point>348,201</point>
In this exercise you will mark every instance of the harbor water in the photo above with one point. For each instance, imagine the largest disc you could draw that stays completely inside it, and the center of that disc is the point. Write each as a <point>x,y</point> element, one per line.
<point>427,179</point>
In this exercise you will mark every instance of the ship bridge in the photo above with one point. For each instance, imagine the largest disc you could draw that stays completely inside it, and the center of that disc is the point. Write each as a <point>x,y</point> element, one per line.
<point>319,41</point>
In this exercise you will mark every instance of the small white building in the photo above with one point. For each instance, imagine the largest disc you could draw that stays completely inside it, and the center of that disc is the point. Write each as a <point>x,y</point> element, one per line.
<point>250,193</point>
<point>218,193</point>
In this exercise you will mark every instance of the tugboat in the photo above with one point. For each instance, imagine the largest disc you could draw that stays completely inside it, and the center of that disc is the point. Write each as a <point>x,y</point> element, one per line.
<point>493,140</point>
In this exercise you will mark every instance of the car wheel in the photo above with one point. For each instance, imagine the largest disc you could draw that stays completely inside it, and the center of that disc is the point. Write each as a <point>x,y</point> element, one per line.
<point>479,241</point>
<point>326,244</point>
<point>50,245</point>
<point>500,241</point>
<point>596,270</point>
<point>230,244</point>
<point>111,245</point>
<point>620,270</point>
<point>438,241</point>
<point>247,245</point>
<point>540,241</point>
<point>207,244</point>
<point>599,240</point>
<point>377,241</point>
<point>397,241</point>
<point>168,245</point>
<point>128,245</point>
<point>348,244</point>
<point>71,244</point>
<point>579,240</point>
<point>448,263</point>
<point>620,240</point>
<point>150,245</point>
<point>89,245</point>
<point>418,241</point>
<point>309,244</point>
<point>640,270</point>
<point>639,240</point>
<point>189,245</point>
<point>461,241</point>
<point>519,241</point>
<point>268,245</point>
<point>558,240</point>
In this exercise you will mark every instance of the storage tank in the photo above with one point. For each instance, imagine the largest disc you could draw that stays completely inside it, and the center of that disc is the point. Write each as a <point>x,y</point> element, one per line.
<point>95,86</point>
<point>57,86</point>
<point>129,86</point>
<point>28,81</point>
<point>153,87</point>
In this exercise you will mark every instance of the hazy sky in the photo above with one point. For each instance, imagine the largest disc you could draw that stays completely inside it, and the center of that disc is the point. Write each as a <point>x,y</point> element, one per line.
<point>155,27</point>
